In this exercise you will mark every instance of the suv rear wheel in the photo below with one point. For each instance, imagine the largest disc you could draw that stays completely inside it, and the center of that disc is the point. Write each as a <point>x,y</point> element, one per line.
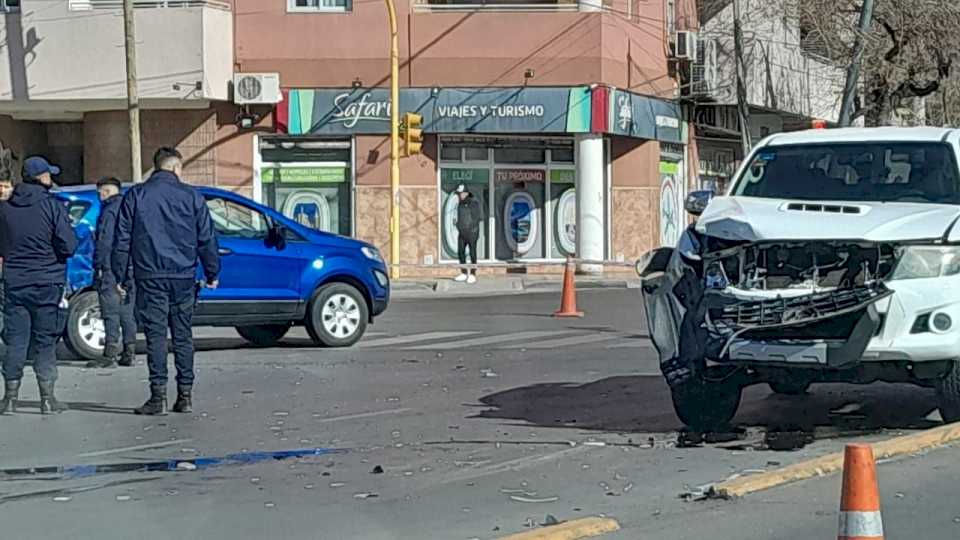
<point>706,406</point>
<point>263,335</point>
<point>948,392</point>
<point>337,315</point>
<point>85,334</point>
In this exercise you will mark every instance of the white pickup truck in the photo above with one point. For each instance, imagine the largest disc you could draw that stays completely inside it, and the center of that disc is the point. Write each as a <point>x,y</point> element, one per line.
<point>834,257</point>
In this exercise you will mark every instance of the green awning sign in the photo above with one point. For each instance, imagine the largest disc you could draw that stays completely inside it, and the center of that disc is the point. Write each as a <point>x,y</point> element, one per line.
<point>464,176</point>
<point>305,175</point>
<point>563,176</point>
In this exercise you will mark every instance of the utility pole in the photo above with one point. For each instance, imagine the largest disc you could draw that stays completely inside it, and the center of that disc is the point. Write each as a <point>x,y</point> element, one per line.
<point>853,70</point>
<point>743,105</point>
<point>394,142</point>
<point>133,98</point>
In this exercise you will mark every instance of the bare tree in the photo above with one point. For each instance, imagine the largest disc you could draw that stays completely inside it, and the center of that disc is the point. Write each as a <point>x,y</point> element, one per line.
<point>910,50</point>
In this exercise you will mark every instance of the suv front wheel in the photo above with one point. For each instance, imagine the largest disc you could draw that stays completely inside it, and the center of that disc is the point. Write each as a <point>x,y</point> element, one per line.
<point>337,315</point>
<point>706,406</point>
<point>948,394</point>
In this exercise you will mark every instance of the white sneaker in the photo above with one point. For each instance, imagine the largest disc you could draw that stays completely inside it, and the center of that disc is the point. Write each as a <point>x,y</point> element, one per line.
<point>472,279</point>
<point>460,277</point>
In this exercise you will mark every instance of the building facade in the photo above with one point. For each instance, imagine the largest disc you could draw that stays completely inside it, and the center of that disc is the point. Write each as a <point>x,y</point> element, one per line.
<point>561,116</point>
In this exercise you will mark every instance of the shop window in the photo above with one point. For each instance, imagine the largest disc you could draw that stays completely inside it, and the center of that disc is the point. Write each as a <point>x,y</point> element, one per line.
<point>9,5</point>
<point>450,153</point>
<point>311,6</point>
<point>476,153</point>
<point>519,155</point>
<point>496,5</point>
<point>477,182</point>
<point>561,155</point>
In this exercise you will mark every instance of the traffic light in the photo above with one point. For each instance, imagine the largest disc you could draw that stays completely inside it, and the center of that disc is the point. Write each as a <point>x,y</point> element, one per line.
<point>412,133</point>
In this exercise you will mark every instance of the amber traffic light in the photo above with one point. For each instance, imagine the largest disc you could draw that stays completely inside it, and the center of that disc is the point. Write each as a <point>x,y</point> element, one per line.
<point>412,129</point>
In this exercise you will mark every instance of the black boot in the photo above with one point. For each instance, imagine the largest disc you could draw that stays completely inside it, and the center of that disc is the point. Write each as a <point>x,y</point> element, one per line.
<point>157,404</point>
<point>129,355</point>
<point>8,405</point>
<point>109,360</point>
<point>48,402</point>
<point>184,402</point>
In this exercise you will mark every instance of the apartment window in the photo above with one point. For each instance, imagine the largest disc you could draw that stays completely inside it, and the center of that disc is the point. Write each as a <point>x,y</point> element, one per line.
<point>315,6</point>
<point>9,5</point>
<point>496,5</point>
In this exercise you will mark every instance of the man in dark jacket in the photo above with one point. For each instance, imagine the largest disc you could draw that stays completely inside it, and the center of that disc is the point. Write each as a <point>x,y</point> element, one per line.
<point>116,310</point>
<point>469,217</point>
<point>164,228</point>
<point>36,240</point>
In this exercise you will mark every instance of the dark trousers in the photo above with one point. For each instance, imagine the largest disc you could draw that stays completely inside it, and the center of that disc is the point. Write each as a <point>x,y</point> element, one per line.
<point>33,324</point>
<point>118,315</point>
<point>466,241</point>
<point>162,304</point>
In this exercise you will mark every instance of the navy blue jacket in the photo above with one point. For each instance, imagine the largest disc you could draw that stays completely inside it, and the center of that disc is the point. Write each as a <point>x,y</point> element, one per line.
<point>36,238</point>
<point>164,227</point>
<point>106,232</point>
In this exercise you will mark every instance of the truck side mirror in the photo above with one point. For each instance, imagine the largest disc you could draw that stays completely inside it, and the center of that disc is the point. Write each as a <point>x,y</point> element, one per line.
<point>697,202</point>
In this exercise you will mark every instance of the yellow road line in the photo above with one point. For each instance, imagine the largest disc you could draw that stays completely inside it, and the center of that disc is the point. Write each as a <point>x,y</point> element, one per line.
<point>831,463</point>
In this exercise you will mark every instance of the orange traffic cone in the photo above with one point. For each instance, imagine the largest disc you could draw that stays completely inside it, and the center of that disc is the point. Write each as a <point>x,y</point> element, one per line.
<point>860,498</point>
<point>568,298</point>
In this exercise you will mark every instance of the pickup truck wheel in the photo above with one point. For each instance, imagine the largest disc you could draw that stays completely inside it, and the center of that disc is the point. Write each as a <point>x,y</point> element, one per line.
<point>263,335</point>
<point>337,315</point>
<point>791,388</point>
<point>948,392</point>
<point>85,333</point>
<point>706,406</point>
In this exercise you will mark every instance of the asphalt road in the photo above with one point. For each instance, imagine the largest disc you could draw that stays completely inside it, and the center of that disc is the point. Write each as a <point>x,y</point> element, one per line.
<point>485,416</point>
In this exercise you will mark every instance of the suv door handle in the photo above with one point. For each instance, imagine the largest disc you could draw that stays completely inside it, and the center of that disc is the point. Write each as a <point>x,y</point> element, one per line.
<point>225,251</point>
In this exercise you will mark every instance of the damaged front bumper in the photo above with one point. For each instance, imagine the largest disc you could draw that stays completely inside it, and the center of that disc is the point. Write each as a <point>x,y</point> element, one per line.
<point>691,325</point>
<point>832,328</point>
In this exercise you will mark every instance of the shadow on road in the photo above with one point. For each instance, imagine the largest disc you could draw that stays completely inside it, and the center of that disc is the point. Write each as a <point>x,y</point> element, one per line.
<point>642,404</point>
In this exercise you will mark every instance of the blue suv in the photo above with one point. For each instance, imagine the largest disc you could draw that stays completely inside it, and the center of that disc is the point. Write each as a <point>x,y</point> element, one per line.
<point>276,273</point>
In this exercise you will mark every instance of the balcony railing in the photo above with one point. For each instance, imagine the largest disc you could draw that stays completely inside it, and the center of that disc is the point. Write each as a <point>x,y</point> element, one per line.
<point>496,5</point>
<point>90,5</point>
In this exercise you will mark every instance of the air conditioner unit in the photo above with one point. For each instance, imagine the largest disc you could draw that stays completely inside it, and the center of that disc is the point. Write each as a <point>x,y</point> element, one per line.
<point>256,89</point>
<point>686,45</point>
<point>701,75</point>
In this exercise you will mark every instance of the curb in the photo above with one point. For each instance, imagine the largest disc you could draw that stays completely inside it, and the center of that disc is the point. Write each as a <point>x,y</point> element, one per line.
<point>831,463</point>
<point>570,530</point>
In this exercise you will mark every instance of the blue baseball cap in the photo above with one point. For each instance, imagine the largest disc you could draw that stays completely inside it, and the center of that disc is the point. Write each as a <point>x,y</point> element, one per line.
<point>34,166</point>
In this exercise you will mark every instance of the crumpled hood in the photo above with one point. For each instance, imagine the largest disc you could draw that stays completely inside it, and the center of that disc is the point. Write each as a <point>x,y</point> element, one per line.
<point>28,195</point>
<point>755,219</point>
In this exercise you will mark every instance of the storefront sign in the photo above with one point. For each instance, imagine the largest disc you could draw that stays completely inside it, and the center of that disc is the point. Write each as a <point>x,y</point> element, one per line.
<point>480,110</point>
<point>639,116</point>
<point>444,110</point>
<point>305,175</point>
<point>465,176</point>
<point>519,175</point>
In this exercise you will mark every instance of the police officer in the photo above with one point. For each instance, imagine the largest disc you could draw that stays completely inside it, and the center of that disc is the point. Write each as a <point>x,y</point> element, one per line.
<point>36,240</point>
<point>165,227</point>
<point>116,310</point>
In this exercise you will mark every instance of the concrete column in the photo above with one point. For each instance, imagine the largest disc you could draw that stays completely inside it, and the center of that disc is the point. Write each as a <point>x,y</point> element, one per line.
<point>591,226</point>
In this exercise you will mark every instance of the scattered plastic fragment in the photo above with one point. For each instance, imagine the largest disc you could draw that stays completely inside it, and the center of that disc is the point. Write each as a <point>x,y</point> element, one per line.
<point>186,466</point>
<point>62,499</point>
<point>365,495</point>
<point>520,498</point>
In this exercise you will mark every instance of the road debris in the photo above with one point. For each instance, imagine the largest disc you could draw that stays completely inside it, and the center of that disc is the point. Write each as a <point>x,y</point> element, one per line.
<point>520,498</point>
<point>62,499</point>
<point>186,466</point>
<point>365,495</point>
<point>549,521</point>
<point>377,470</point>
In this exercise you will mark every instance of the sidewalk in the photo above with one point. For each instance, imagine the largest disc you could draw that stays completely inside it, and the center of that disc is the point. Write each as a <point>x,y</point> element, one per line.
<point>505,284</point>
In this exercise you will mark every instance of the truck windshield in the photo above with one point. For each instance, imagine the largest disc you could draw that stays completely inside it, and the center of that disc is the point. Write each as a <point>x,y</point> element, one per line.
<point>880,172</point>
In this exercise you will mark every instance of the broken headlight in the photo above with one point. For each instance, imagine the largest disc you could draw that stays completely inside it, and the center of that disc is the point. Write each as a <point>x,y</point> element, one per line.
<point>915,262</point>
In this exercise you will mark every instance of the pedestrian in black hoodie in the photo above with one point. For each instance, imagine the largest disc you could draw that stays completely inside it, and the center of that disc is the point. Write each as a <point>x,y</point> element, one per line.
<point>469,217</point>
<point>36,240</point>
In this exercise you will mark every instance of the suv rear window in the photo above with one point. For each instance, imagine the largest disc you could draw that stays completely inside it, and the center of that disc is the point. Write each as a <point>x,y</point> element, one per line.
<point>881,172</point>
